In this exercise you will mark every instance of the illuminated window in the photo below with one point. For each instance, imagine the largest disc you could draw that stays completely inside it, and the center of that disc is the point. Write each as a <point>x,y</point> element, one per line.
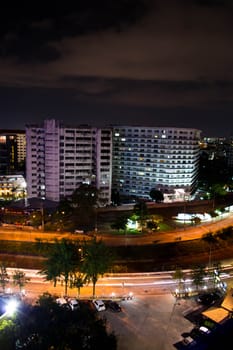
<point>2,139</point>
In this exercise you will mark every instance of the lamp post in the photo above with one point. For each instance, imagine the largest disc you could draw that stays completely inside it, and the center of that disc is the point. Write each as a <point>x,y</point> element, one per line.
<point>210,255</point>
<point>42,219</point>
<point>96,227</point>
<point>213,201</point>
<point>42,216</point>
<point>184,210</point>
<point>175,303</point>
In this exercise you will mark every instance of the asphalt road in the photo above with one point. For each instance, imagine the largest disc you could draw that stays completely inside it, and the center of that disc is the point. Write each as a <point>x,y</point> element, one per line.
<point>185,233</point>
<point>150,321</point>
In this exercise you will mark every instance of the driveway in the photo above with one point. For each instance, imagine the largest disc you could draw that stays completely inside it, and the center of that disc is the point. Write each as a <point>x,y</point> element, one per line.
<point>151,322</point>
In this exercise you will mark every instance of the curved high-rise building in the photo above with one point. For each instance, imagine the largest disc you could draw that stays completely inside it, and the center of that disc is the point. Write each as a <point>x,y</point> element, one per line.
<point>164,158</point>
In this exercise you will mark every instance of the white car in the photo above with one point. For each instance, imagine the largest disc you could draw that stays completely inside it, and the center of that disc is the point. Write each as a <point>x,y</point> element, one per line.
<point>204,329</point>
<point>99,305</point>
<point>74,304</point>
<point>61,301</point>
<point>188,340</point>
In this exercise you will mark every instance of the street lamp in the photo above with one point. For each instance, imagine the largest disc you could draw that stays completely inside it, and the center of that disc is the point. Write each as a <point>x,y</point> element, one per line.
<point>10,308</point>
<point>41,209</point>
<point>96,228</point>
<point>42,218</point>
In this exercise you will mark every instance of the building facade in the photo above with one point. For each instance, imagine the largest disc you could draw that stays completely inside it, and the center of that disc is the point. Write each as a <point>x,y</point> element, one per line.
<point>12,152</point>
<point>12,187</point>
<point>163,158</point>
<point>60,158</point>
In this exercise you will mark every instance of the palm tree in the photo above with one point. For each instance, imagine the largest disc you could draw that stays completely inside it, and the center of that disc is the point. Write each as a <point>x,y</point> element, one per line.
<point>4,277</point>
<point>140,209</point>
<point>62,262</point>
<point>20,279</point>
<point>211,240</point>
<point>179,276</point>
<point>97,260</point>
<point>215,275</point>
<point>77,281</point>
<point>198,275</point>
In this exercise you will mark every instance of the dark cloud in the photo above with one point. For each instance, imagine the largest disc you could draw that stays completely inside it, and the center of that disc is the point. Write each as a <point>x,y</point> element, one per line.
<point>131,61</point>
<point>29,33</point>
<point>151,93</point>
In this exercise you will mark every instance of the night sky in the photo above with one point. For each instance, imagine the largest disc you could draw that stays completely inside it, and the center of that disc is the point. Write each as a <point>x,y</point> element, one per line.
<point>124,62</point>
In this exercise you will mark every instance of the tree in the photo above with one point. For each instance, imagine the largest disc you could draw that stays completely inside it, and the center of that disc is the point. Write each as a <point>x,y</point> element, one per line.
<point>140,209</point>
<point>215,274</point>
<point>152,225</point>
<point>4,277</point>
<point>156,195</point>
<point>120,223</point>
<point>77,281</point>
<point>84,201</point>
<point>179,276</point>
<point>97,260</point>
<point>198,275</point>
<point>61,219</point>
<point>196,220</point>
<point>63,260</point>
<point>20,279</point>
<point>85,196</point>
<point>46,325</point>
<point>218,190</point>
<point>7,331</point>
<point>211,240</point>
<point>115,197</point>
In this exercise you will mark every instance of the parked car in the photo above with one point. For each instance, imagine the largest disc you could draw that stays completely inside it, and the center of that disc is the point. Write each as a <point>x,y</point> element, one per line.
<point>188,340</point>
<point>74,303</point>
<point>99,305</point>
<point>208,299</point>
<point>63,302</point>
<point>78,231</point>
<point>113,306</point>
<point>204,330</point>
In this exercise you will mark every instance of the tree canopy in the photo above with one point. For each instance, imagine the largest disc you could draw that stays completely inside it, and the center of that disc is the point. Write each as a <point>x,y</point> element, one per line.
<point>63,260</point>
<point>46,325</point>
<point>97,261</point>
<point>156,195</point>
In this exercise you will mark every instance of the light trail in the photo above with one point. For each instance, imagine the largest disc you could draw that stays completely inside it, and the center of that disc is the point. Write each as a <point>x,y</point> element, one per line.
<point>134,280</point>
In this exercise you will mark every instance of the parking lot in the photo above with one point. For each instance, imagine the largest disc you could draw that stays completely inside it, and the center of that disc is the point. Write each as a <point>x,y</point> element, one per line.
<point>150,322</point>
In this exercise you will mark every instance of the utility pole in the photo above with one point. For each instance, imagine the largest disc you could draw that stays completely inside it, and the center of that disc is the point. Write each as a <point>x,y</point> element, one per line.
<point>210,251</point>
<point>184,210</point>
<point>96,226</point>
<point>42,216</point>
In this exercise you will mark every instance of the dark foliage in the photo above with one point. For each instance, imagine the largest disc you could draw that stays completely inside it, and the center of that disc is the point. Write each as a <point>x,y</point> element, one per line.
<point>46,325</point>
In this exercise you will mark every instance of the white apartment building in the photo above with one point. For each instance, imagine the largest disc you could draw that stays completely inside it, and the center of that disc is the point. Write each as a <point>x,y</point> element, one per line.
<point>164,158</point>
<point>60,158</point>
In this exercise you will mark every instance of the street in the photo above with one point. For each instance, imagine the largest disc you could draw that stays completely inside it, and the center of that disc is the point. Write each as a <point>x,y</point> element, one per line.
<point>185,233</point>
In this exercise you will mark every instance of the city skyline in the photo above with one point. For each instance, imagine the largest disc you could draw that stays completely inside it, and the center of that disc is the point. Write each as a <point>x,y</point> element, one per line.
<point>153,63</point>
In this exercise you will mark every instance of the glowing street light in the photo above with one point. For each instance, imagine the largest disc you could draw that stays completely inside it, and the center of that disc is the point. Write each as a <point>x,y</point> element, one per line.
<point>10,308</point>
